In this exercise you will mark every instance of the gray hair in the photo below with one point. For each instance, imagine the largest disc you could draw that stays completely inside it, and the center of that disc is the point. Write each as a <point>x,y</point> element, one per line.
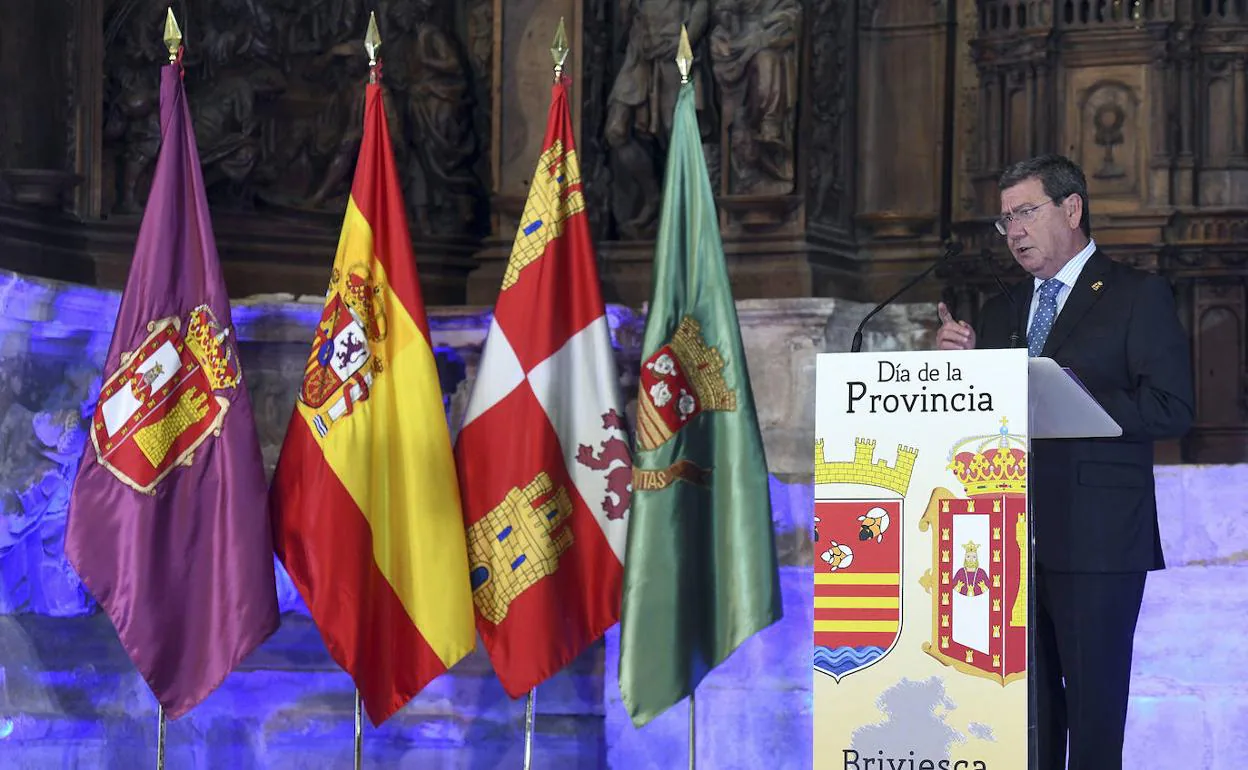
<point>1060,176</point>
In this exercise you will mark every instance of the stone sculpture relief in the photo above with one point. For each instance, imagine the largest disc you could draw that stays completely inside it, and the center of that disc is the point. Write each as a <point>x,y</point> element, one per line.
<point>754,51</point>
<point>642,100</point>
<point>597,68</point>
<point>479,42</point>
<point>132,98</point>
<point>276,88</point>
<point>829,180</point>
<point>429,71</point>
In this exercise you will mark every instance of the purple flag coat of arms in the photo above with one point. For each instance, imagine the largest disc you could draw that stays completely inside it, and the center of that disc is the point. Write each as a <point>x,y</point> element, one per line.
<point>168,522</point>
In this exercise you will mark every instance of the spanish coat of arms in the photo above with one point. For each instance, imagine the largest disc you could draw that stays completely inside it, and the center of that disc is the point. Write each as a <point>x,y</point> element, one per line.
<point>343,362</point>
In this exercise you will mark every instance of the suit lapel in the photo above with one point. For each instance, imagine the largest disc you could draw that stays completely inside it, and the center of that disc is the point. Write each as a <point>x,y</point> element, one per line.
<point>1088,288</point>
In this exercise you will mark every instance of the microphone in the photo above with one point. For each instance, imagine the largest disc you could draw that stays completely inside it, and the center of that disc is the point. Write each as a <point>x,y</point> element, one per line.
<point>1009,296</point>
<point>953,249</point>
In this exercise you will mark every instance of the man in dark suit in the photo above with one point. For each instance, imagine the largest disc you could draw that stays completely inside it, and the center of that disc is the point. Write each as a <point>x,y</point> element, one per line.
<point>1093,500</point>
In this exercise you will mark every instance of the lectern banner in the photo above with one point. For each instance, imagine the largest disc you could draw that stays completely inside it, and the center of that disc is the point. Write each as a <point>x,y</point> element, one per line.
<point>920,577</point>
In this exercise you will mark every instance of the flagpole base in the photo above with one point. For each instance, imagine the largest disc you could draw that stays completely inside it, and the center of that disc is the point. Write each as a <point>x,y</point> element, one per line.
<point>160,737</point>
<point>693,732</point>
<point>358,750</point>
<point>529,708</point>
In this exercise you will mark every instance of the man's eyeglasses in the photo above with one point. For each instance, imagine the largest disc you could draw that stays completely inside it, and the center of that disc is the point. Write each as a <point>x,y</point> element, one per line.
<point>1023,215</point>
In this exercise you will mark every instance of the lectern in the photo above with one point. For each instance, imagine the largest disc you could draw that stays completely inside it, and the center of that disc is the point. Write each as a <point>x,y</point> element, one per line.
<point>922,552</point>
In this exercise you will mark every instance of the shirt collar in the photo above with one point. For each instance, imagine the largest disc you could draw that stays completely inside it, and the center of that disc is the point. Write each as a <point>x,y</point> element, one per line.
<point>1071,270</point>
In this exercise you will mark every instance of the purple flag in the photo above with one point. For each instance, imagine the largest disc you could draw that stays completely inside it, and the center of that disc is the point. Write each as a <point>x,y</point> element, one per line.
<point>168,522</point>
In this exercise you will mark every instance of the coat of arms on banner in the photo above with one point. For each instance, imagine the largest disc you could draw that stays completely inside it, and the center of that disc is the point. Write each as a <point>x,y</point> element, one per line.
<point>166,398</point>
<point>979,559</point>
<point>858,557</point>
<point>343,363</point>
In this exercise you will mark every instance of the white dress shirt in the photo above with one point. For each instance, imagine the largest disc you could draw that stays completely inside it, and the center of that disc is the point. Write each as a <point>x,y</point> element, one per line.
<point>1067,275</point>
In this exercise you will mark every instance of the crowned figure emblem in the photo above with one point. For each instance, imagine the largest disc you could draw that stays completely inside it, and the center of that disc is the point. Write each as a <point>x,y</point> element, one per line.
<point>971,579</point>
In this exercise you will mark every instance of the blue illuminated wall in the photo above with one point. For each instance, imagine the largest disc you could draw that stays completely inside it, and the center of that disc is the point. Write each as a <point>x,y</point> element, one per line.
<point>69,697</point>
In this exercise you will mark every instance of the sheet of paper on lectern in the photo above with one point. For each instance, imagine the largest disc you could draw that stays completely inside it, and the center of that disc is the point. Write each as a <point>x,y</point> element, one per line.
<point>1060,405</point>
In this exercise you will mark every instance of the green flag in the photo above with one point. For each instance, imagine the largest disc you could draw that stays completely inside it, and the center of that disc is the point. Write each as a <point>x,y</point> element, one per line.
<point>700,574</point>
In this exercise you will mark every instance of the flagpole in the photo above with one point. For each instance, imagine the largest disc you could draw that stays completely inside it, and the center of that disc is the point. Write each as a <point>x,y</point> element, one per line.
<point>172,39</point>
<point>359,731</point>
<point>693,731</point>
<point>529,708</point>
<point>684,62</point>
<point>559,53</point>
<point>160,737</point>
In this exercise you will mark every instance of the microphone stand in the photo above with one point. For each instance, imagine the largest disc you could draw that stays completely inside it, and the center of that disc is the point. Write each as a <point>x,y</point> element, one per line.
<point>1009,297</point>
<point>952,250</point>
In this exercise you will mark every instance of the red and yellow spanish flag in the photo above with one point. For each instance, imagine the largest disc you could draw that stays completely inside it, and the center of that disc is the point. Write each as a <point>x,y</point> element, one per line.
<point>365,497</point>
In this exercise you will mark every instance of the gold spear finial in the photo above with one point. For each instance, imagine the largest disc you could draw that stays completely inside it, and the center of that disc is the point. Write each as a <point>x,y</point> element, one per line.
<point>372,41</point>
<point>684,55</point>
<point>173,36</point>
<point>559,49</point>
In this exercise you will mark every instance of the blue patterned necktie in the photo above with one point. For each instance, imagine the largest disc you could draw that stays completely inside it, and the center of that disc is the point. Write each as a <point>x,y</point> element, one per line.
<point>1046,312</point>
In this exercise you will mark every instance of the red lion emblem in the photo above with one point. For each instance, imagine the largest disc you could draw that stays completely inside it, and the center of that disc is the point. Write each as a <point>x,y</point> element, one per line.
<point>614,452</point>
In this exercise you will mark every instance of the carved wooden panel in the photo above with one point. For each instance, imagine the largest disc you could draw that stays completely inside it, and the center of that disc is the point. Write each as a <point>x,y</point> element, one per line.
<point>1223,96</point>
<point>1220,330</point>
<point>901,105</point>
<point>1150,97</point>
<point>34,101</point>
<point>1107,132</point>
<point>1221,375</point>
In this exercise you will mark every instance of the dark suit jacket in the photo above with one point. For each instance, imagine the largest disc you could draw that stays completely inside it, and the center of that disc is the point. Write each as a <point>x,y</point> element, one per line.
<point>1093,500</point>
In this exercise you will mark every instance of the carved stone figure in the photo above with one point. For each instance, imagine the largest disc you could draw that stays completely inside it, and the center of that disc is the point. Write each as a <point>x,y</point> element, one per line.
<point>304,26</point>
<point>339,126</point>
<point>428,70</point>
<point>227,127</point>
<point>641,103</point>
<point>312,133</point>
<point>132,98</point>
<point>234,34</point>
<point>276,91</point>
<point>597,71</point>
<point>754,49</point>
<point>827,179</point>
<point>479,42</point>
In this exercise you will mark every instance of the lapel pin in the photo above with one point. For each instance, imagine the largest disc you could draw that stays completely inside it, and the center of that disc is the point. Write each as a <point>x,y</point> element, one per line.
<point>1097,286</point>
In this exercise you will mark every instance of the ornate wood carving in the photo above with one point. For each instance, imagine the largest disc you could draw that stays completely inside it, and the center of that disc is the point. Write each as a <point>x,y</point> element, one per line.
<point>1148,96</point>
<point>276,89</point>
<point>600,56</point>
<point>831,145</point>
<point>640,105</point>
<point>754,51</point>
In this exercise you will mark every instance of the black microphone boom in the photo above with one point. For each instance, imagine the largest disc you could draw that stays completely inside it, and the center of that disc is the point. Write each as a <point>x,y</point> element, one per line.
<point>1009,296</point>
<point>952,250</point>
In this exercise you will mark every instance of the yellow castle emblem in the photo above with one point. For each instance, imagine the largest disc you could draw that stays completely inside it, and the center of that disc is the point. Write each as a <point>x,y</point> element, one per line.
<point>864,469</point>
<point>517,544</point>
<point>554,196</point>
